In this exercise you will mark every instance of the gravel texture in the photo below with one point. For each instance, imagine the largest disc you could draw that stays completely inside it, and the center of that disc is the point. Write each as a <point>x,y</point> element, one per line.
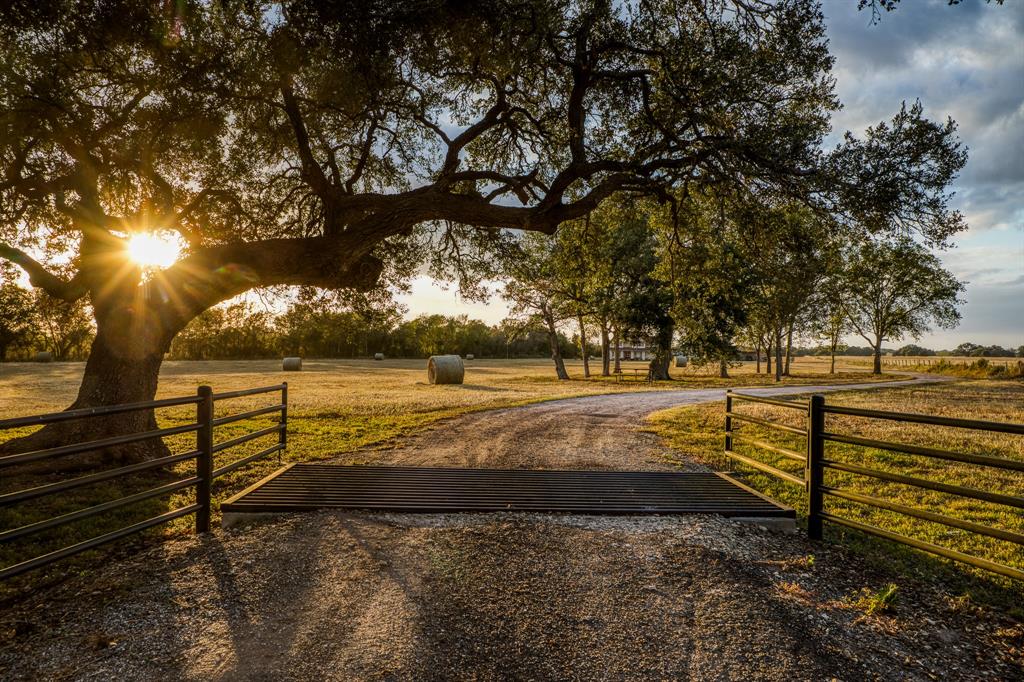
<point>354,596</point>
<point>593,432</point>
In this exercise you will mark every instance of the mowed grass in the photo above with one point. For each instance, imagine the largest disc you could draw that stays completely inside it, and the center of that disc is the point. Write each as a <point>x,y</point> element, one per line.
<point>698,433</point>
<point>958,366</point>
<point>337,409</point>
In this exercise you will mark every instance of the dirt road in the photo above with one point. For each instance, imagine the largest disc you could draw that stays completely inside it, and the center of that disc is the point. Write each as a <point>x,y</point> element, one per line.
<point>349,596</point>
<point>594,432</point>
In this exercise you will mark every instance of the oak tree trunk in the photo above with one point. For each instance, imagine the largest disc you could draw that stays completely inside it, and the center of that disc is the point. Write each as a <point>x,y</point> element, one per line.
<point>723,368</point>
<point>606,360</point>
<point>877,368</point>
<point>123,367</point>
<point>618,352</point>
<point>789,349</point>
<point>556,352</point>
<point>583,348</point>
<point>662,354</point>
<point>778,354</point>
<point>659,365</point>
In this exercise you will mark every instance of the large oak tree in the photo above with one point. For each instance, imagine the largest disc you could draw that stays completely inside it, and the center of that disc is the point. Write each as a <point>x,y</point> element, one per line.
<point>311,143</point>
<point>899,289</point>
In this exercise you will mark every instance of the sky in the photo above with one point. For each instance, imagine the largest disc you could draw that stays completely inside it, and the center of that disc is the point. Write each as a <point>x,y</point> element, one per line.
<point>966,62</point>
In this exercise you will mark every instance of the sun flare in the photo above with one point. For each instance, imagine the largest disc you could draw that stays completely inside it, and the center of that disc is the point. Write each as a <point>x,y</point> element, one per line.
<point>153,250</point>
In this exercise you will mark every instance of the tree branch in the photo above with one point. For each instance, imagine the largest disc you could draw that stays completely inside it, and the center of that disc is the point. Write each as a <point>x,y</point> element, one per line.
<point>216,273</point>
<point>66,290</point>
<point>311,171</point>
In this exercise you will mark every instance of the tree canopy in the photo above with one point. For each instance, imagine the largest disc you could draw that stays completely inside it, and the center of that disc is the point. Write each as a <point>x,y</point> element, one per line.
<point>337,144</point>
<point>898,289</point>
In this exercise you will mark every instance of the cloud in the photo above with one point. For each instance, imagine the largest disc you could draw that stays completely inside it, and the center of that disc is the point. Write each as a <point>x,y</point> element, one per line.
<point>965,61</point>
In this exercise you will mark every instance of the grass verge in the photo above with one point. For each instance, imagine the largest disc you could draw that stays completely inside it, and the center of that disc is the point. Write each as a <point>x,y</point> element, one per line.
<point>696,433</point>
<point>338,409</point>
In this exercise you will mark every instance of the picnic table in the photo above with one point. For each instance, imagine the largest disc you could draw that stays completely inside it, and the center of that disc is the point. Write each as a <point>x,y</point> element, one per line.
<point>639,374</point>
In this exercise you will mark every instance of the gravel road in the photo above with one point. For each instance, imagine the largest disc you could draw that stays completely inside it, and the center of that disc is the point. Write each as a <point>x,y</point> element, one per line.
<point>593,432</point>
<point>354,596</point>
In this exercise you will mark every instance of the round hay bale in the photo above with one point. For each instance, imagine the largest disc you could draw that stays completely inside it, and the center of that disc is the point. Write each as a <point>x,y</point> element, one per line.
<point>378,356</point>
<point>292,365</point>
<point>445,369</point>
<point>681,360</point>
<point>469,356</point>
<point>44,356</point>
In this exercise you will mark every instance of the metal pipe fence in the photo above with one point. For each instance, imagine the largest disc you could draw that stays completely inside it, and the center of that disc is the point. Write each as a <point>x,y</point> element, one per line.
<point>816,466</point>
<point>204,426</point>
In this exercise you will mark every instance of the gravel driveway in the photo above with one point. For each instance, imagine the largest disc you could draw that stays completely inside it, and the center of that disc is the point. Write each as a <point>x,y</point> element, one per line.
<point>353,596</point>
<point>593,432</point>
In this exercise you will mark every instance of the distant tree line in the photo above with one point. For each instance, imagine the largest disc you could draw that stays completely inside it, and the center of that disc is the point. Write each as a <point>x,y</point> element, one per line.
<point>966,349</point>
<point>31,322</point>
<point>241,331</point>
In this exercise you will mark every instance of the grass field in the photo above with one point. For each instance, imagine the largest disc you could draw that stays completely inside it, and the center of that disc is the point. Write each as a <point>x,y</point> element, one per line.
<point>697,433</point>
<point>336,407</point>
<point>959,366</point>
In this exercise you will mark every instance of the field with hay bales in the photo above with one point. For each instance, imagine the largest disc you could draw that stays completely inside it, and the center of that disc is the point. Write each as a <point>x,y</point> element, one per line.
<point>365,388</point>
<point>336,409</point>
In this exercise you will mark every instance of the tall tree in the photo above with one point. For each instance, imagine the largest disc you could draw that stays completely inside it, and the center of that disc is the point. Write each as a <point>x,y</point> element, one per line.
<point>534,287</point>
<point>898,289</point>
<point>576,265</point>
<point>636,296</point>
<point>309,143</point>
<point>786,247</point>
<point>828,318</point>
<point>17,312</point>
<point>65,326</point>
<point>709,277</point>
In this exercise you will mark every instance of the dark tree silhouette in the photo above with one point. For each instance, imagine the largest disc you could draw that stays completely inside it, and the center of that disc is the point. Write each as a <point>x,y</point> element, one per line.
<point>310,143</point>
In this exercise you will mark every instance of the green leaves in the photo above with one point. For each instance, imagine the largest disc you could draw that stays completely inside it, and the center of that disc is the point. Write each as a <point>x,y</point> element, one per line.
<point>894,181</point>
<point>898,289</point>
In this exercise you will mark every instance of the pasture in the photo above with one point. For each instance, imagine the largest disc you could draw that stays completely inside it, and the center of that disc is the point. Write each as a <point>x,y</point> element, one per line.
<point>344,388</point>
<point>696,433</point>
<point>339,410</point>
<point>953,365</point>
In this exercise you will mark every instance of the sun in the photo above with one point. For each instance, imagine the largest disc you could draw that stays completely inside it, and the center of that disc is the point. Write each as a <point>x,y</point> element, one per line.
<point>154,249</point>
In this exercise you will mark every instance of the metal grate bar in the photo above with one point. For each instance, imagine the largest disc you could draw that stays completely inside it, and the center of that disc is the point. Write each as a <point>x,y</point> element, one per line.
<point>303,487</point>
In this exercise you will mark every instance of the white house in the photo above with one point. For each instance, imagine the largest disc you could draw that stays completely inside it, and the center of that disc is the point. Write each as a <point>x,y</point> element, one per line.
<point>631,349</point>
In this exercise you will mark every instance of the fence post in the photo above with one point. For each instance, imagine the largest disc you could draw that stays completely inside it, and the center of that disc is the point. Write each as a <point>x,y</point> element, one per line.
<point>814,472</point>
<point>282,435</point>
<point>204,462</point>
<point>728,420</point>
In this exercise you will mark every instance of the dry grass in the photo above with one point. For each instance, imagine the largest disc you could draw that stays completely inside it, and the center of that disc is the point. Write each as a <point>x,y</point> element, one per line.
<point>362,387</point>
<point>697,433</point>
<point>335,407</point>
<point>960,366</point>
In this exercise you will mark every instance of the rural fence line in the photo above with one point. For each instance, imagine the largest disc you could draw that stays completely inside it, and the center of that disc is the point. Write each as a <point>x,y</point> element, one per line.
<point>816,464</point>
<point>205,473</point>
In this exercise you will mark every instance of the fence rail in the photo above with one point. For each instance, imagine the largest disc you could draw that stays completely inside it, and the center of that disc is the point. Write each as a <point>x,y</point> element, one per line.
<point>816,465</point>
<point>206,447</point>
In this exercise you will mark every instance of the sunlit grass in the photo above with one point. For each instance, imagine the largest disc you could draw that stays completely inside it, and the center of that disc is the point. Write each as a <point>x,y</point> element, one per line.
<point>336,408</point>
<point>697,433</point>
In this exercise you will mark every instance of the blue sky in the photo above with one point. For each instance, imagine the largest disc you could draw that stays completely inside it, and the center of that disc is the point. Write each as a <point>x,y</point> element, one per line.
<point>966,62</point>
